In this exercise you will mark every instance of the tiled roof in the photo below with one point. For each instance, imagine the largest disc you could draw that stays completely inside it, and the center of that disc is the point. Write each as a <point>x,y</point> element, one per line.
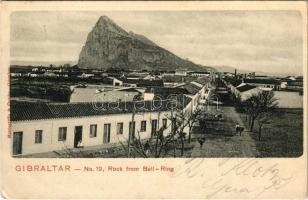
<point>262,81</point>
<point>143,82</point>
<point>233,81</point>
<point>178,79</point>
<point>199,72</point>
<point>191,88</point>
<point>22,111</point>
<point>166,91</point>
<point>203,80</point>
<point>245,88</point>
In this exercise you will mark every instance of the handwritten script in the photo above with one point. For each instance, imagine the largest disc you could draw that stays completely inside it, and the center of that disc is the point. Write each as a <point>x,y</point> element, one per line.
<point>240,176</point>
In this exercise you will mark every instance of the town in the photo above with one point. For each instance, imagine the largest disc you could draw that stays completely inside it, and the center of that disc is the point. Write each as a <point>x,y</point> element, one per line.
<point>205,111</point>
<point>119,94</point>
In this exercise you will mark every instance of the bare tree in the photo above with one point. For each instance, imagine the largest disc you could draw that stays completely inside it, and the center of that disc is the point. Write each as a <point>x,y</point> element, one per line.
<point>160,144</point>
<point>191,121</point>
<point>258,104</point>
<point>184,122</point>
<point>156,146</point>
<point>264,118</point>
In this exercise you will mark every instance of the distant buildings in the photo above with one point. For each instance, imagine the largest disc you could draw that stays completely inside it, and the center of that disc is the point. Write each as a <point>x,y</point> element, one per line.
<point>116,82</point>
<point>245,91</point>
<point>101,93</point>
<point>141,82</point>
<point>85,75</point>
<point>247,85</point>
<point>267,84</point>
<point>200,74</point>
<point>102,114</point>
<point>293,83</point>
<point>181,72</point>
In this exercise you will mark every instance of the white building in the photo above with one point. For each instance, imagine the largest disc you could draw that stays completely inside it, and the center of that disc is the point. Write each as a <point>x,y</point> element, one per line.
<point>200,74</point>
<point>245,91</point>
<point>181,73</point>
<point>15,74</point>
<point>197,90</point>
<point>85,75</point>
<point>283,84</point>
<point>43,127</point>
<point>116,82</point>
<point>265,84</point>
<point>95,93</point>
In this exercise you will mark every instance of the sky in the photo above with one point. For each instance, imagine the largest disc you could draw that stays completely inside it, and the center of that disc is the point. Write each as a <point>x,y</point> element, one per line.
<point>267,41</point>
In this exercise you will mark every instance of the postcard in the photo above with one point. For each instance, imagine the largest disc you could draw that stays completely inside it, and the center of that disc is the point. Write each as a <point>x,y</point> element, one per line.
<point>138,100</point>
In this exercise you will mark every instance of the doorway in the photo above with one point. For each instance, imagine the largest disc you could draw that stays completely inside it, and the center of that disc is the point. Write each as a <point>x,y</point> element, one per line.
<point>132,129</point>
<point>154,127</point>
<point>106,138</point>
<point>17,143</point>
<point>78,135</point>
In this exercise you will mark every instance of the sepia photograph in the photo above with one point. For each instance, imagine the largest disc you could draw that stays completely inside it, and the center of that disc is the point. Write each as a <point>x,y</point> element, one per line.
<point>153,100</point>
<point>156,84</point>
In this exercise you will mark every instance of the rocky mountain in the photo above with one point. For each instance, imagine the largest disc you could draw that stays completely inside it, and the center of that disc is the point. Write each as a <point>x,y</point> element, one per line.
<point>108,45</point>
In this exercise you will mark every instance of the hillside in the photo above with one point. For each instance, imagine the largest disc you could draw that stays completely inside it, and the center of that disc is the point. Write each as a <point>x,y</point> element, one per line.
<point>108,45</point>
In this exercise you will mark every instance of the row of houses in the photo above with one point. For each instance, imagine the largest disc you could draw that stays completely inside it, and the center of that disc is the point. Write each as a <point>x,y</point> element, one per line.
<point>44,127</point>
<point>248,87</point>
<point>263,81</point>
<point>86,73</point>
<point>52,127</point>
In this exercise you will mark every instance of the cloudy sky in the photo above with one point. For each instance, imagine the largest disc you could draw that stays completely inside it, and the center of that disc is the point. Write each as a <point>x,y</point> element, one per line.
<point>269,41</point>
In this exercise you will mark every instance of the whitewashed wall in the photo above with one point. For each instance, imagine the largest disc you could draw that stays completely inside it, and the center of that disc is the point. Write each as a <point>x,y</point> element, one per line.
<point>50,129</point>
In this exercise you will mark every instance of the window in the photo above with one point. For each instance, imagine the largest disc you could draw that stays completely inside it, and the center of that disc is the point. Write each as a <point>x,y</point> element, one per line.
<point>120,128</point>
<point>143,127</point>
<point>106,138</point>
<point>93,130</point>
<point>164,123</point>
<point>38,136</point>
<point>62,134</point>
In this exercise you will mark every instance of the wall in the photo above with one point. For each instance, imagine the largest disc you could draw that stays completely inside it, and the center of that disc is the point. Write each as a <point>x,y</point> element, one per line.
<point>245,95</point>
<point>264,85</point>
<point>50,129</point>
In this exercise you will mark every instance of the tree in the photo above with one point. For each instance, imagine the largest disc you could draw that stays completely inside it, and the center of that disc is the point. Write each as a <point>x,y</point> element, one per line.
<point>236,99</point>
<point>264,118</point>
<point>191,120</point>
<point>184,122</point>
<point>156,146</point>
<point>180,123</point>
<point>258,104</point>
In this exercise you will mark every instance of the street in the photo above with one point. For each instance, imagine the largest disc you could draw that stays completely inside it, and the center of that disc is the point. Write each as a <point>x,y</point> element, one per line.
<point>226,143</point>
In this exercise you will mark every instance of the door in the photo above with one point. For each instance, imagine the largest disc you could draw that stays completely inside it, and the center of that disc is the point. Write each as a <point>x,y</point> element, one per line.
<point>78,135</point>
<point>106,138</point>
<point>154,127</point>
<point>17,143</point>
<point>132,126</point>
